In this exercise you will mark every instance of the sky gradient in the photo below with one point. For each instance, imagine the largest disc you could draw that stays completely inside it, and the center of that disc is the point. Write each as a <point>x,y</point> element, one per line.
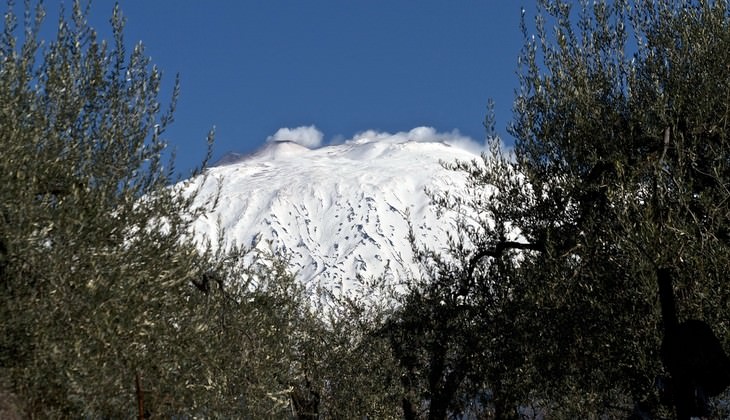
<point>250,68</point>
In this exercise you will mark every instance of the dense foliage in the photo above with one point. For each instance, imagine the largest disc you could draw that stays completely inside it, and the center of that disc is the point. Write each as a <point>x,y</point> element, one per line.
<point>621,165</point>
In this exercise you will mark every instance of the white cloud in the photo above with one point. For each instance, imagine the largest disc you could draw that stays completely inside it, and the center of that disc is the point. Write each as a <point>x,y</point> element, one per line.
<point>422,134</point>
<point>308,136</point>
<point>311,137</point>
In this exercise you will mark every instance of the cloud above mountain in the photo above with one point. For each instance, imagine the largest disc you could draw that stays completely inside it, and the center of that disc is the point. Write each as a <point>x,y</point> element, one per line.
<point>307,136</point>
<point>422,135</point>
<point>311,137</point>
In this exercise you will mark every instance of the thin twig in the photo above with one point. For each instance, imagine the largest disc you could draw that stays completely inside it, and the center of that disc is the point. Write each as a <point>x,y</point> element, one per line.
<point>140,396</point>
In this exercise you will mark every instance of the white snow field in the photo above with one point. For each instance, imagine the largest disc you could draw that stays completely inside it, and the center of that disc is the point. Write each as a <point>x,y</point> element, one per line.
<point>338,211</point>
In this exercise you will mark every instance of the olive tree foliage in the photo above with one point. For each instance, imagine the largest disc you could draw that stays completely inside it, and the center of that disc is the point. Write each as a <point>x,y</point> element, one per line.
<point>621,165</point>
<point>626,134</point>
<point>348,362</point>
<point>452,332</point>
<point>107,307</point>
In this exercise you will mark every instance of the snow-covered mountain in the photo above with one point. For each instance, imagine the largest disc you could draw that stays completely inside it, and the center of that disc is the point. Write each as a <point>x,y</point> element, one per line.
<point>337,211</point>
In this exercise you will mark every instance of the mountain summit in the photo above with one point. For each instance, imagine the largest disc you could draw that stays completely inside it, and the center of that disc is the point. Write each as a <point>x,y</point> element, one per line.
<point>337,212</point>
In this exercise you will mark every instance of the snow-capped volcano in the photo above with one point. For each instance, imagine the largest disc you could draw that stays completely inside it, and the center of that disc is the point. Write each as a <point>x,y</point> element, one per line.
<point>337,211</point>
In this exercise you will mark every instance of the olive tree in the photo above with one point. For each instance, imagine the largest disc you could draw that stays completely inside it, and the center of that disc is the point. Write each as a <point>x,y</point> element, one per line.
<point>108,307</point>
<point>620,167</point>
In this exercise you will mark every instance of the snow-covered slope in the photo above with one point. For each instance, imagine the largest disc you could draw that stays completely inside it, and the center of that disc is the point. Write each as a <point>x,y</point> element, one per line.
<point>337,211</point>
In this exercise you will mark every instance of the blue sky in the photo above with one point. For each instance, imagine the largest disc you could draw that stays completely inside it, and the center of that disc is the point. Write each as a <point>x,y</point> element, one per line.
<point>250,68</point>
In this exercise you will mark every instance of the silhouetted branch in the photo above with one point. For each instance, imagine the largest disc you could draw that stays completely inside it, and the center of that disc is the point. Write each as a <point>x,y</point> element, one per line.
<point>140,396</point>
<point>499,249</point>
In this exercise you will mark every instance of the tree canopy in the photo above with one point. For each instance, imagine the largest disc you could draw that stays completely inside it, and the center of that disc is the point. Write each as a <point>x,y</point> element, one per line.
<point>107,306</point>
<point>620,167</point>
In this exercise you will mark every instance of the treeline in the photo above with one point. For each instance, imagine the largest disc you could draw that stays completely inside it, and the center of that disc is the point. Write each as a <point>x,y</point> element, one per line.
<point>545,304</point>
